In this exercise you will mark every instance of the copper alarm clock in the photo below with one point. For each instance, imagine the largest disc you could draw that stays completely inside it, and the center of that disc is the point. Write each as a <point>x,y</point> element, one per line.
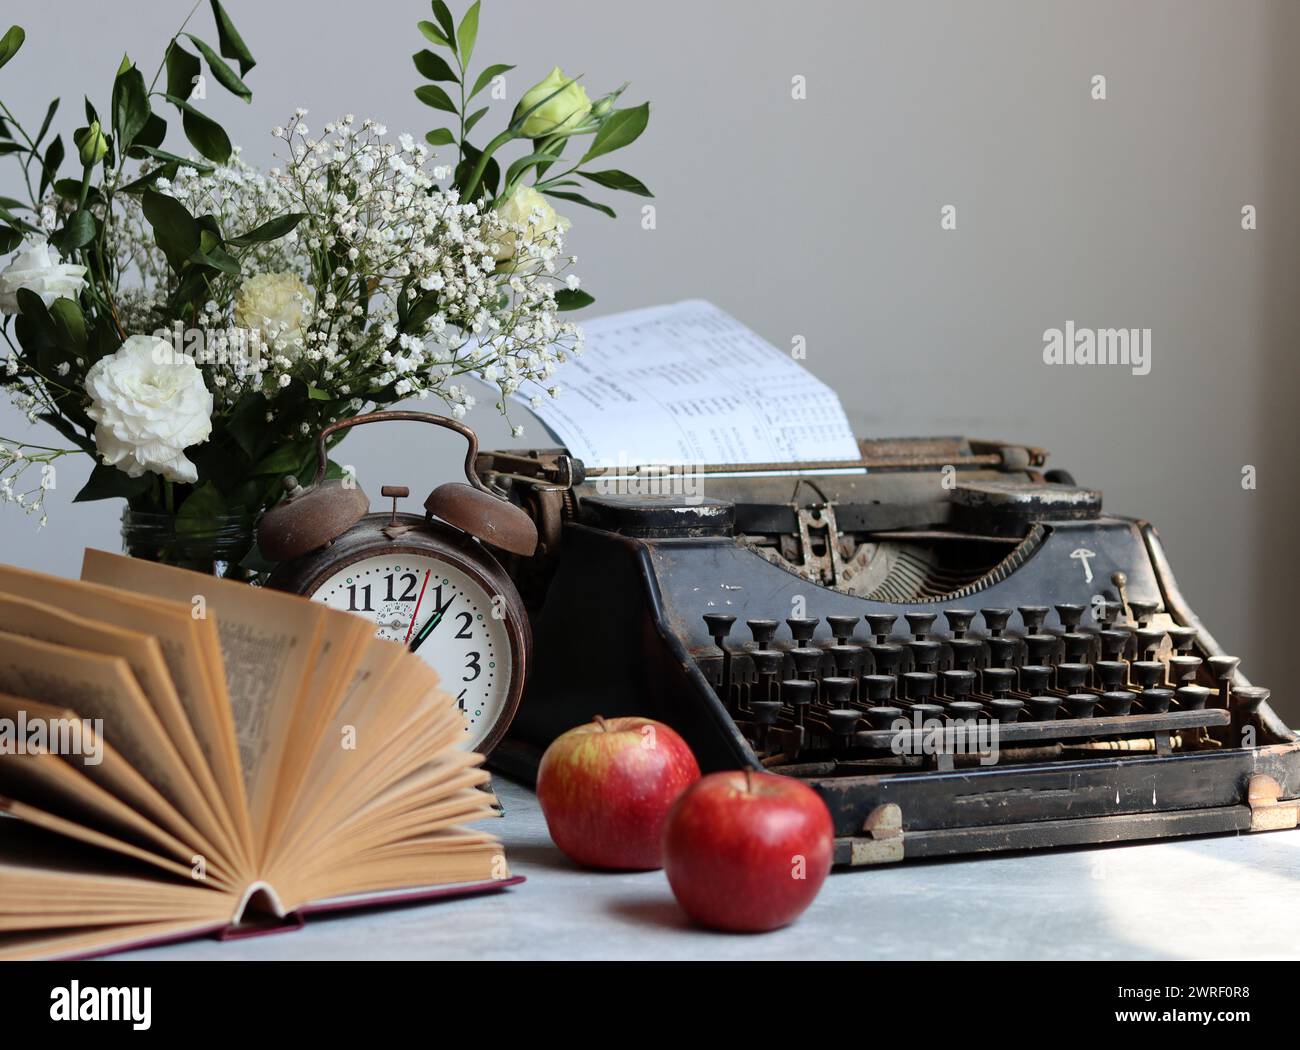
<point>429,582</point>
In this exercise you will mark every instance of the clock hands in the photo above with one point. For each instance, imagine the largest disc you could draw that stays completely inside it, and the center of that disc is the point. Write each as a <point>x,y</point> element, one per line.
<point>430,624</point>
<point>416,610</point>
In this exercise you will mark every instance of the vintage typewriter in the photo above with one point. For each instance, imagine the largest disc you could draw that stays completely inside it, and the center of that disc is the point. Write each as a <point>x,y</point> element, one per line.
<point>959,651</point>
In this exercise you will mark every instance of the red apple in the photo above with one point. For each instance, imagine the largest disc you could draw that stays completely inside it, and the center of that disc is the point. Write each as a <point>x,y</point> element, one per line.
<point>606,787</point>
<point>747,851</point>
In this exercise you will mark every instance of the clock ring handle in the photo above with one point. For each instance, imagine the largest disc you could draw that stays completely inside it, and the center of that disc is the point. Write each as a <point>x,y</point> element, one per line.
<point>397,416</point>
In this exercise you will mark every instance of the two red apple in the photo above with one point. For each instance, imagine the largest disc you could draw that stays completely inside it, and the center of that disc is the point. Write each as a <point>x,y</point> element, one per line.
<point>606,788</point>
<point>743,851</point>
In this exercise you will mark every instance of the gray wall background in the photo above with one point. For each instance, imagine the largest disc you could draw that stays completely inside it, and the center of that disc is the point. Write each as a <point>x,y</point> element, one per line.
<point>820,217</point>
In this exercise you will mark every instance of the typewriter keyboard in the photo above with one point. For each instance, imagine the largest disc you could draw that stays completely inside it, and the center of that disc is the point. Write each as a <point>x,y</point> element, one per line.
<point>853,695</point>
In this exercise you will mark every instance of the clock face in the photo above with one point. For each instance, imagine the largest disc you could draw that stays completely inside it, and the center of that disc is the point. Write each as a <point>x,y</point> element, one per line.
<point>444,615</point>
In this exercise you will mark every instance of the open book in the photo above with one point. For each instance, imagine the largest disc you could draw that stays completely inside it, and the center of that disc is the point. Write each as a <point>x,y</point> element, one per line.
<point>182,754</point>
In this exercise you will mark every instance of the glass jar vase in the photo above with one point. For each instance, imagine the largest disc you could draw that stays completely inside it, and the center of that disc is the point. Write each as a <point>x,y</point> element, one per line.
<point>213,545</point>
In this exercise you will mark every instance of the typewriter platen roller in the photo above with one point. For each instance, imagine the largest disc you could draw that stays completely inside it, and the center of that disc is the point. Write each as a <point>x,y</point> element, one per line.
<point>959,652</point>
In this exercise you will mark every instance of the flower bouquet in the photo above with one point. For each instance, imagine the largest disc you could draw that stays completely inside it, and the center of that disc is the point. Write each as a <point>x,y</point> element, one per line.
<point>191,322</point>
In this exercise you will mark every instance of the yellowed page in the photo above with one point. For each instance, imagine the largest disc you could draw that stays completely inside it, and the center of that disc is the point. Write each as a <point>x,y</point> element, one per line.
<point>270,644</point>
<point>143,655</point>
<point>191,653</point>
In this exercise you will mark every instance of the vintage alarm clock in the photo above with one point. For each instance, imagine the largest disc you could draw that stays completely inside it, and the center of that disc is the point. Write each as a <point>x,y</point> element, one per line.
<point>426,581</point>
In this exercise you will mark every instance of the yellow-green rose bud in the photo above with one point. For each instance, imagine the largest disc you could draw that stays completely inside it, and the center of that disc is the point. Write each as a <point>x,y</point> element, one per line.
<point>91,144</point>
<point>603,107</point>
<point>564,112</point>
<point>529,219</point>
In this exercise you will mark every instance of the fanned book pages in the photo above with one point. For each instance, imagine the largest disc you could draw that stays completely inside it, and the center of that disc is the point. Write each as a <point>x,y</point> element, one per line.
<point>181,754</point>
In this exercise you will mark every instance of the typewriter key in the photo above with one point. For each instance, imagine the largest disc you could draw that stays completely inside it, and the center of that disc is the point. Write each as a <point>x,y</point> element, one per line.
<point>1156,701</point>
<point>1182,638</point>
<point>1147,674</point>
<point>1080,705</point>
<point>883,717</point>
<point>926,713</point>
<point>965,711</point>
<point>1070,678</point>
<point>925,654</point>
<point>959,621</point>
<point>1182,670</point>
<point>1108,612</point>
<point>1040,648</point>
<point>882,625</point>
<point>842,627</point>
<point>878,687</point>
<point>919,685</point>
<point>1006,710</point>
<point>1034,678</point>
<point>1076,645</point>
<point>1193,697</point>
<point>837,691</point>
<point>1223,668</point>
<point>1033,617</point>
<point>719,625</point>
<point>1117,702</point>
<point>1113,640</point>
<point>1042,708</point>
<point>1148,641</point>
<point>1142,611</point>
<point>767,663</point>
<point>965,652</point>
<point>843,723</point>
<point>920,623</point>
<point>996,620</point>
<point>1070,615</point>
<point>807,662</point>
<point>848,659</point>
<point>762,631</point>
<point>801,629</point>
<point>957,685</point>
<point>998,681</point>
<point>766,713</point>
<point>886,657</point>
<point>1111,674</point>
<point>1248,698</point>
<point>1002,651</point>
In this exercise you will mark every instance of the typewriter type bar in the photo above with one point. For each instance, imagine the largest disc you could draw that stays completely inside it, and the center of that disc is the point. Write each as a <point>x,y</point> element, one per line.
<point>959,653</point>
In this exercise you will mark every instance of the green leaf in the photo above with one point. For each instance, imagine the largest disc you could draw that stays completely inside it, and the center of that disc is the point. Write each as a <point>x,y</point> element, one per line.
<point>68,431</point>
<point>174,158</point>
<point>485,78</point>
<point>316,394</point>
<point>247,421</point>
<point>578,198</point>
<point>50,165</point>
<point>10,43</point>
<point>78,232</point>
<point>572,299</point>
<point>440,137</point>
<point>225,76</point>
<point>443,15</point>
<point>268,231</point>
<point>70,324</point>
<point>107,482</point>
<point>524,163</point>
<point>9,239</point>
<point>433,34</point>
<point>467,33</point>
<point>200,507</point>
<point>182,68</point>
<point>230,42</point>
<point>433,67</point>
<point>432,95</point>
<point>617,180</point>
<point>473,119</point>
<point>284,460</point>
<point>45,124</point>
<point>174,227</point>
<point>151,136</point>
<point>130,107</point>
<point>621,127</point>
<point>204,133</point>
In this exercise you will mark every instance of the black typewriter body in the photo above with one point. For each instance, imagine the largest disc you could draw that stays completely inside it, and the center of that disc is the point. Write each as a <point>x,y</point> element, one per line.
<point>960,653</point>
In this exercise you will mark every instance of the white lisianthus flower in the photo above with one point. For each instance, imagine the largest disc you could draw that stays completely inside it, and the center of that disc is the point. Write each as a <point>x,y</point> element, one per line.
<point>278,306</point>
<point>36,267</point>
<point>527,209</point>
<point>149,404</point>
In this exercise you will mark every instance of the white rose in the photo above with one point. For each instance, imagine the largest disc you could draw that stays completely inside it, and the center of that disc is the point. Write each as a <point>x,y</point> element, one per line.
<point>37,268</point>
<point>277,305</point>
<point>149,404</point>
<point>527,208</point>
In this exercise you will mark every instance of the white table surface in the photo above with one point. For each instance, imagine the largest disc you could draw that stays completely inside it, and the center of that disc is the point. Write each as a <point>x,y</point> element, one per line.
<point>1225,897</point>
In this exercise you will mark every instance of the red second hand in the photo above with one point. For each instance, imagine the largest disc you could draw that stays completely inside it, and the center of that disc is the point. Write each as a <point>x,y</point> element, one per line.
<point>416,611</point>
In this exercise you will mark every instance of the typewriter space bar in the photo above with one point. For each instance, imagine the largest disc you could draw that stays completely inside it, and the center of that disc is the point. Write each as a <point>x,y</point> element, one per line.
<point>856,852</point>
